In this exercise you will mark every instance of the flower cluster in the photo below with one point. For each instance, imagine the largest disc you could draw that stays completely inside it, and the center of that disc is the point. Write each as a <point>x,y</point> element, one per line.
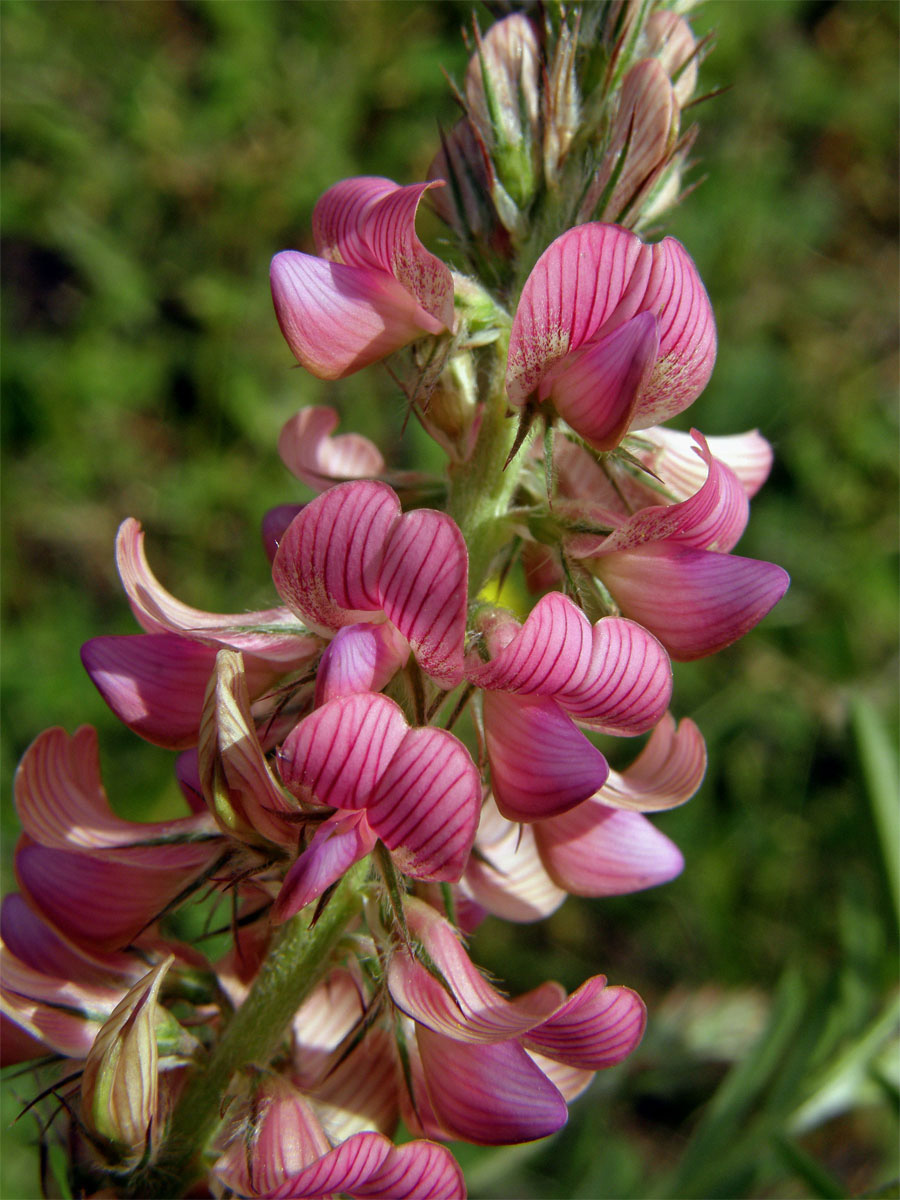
<point>358,837</point>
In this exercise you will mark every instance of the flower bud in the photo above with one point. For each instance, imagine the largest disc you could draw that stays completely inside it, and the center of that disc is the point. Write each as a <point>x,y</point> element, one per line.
<point>669,38</point>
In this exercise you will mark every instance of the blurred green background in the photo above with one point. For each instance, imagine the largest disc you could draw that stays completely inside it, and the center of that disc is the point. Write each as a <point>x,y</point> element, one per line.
<point>155,156</point>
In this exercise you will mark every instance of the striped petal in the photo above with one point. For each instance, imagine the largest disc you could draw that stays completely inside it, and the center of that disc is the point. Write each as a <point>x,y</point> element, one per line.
<point>370,222</point>
<point>695,601</point>
<point>425,805</point>
<point>337,754</point>
<point>360,1089</point>
<point>596,1028</point>
<point>666,773</point>
<point>599,851</point>
<point>360,658</point>
<point>550,652</point>
<point>309,451</point>
<point>157,611</point>
<point>418,1170</point>
<point>674,459</point>
<point>338,843</point>
<point>506,875</point>
<point>540,763</point>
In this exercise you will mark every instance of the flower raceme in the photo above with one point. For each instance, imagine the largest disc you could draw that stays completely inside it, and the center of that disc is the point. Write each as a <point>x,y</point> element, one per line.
<point>371,289</point>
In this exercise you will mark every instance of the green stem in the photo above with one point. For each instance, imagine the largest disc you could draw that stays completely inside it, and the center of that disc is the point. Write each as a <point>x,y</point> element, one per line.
<point>295,964</point>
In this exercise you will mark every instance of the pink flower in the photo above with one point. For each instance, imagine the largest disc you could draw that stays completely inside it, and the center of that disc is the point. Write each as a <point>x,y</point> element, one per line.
<point>545,675</point>
<point>373,287</point>
<point>617,334</point>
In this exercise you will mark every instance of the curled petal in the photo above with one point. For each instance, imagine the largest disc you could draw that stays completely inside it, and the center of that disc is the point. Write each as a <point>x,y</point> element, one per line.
<point>596,1028</point>
<point>328,564</point>
<point>629,683</point>
<point>666,773</point>
<point>288,645</point>
<point>599,851</point>
<point>425,805</point>
<point>418,1170</point>
<point>309,451</point>
<point>338,319</point>
<point>337,754</point>
<point>360,658</point>
<point>338,843</point>
<point>540,763</point>
<point>675,460</point>
<point>492,1095</point>
<point>370,222</point>
<point>695,601</point>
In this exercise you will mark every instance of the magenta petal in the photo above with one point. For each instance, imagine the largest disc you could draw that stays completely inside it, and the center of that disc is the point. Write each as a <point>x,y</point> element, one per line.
<point>274,525</point>
<point>425,805</point>
<point>338,319</point>
<point>597,388</point>
<point>154,683</point>
<point>423,588</point>
<point>599,851</point>
<point>360,658</point>
<point>340,1170</point>
<point>596,1028</point>
<point>492,1095</point>
<point>309,451</point>
<point>666,773</point>
<point>695,601</point>
<point>629,684</point>
<point>369,222</point>
<point>337,754</point>
<point>329,560</point>
<point>687,335</point>
<point>337,845</point>
<point>418,1170</point>
<point>589,273</point>
<point>540,763</point>
<point>550,652</point>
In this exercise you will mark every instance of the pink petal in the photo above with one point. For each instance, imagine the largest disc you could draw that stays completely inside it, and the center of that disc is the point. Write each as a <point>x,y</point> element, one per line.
<point>666,773</point>
<point>274,525</point>
<point>425,805</point>
<point>359,1089</point>
<point>309,451</point>
<point>329,561</point>
<point>62,804</point>
<point>629,683</point>
<point>540,763</point>
<point>588,274</point>
<point>675,459</point>
<point>687,335</point>
<point>337,754</point>
<point>338,319</point>
<point>596,1028</point>
<point>713,518</point>
<point>340,1170</point>
<point>337,845</point>
<point>321,1023</point>
<point>370,222</point>
<point>492,1095</point>
<point>669,38</point>
<point>159,612</point>
<point>418,1170</point>
<point>596,388</point>
<point>506,875</point>
<point>62,1016</point>
<point>423,589</point>
<point>360,658</point>
<point>695,601</point>
<point>599,851</point>
<point>550,652</point>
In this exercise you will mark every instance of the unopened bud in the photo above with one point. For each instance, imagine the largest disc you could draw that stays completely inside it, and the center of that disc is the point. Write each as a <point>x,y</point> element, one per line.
<point>562,106</point>
<point>669,39</point>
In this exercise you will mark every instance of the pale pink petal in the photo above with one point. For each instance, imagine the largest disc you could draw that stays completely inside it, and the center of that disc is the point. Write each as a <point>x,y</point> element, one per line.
<point>338,843</point>
<point>570,1081</point>
<point>61,803</point>
<point>425,805</point>
<point>675,460</point>
<point>287,645</point>
<point>670,39</point>
<point>505,875</point>
<point>337,754</point>
<point>550,652</point>
<point>695,601</point>
<point>330,558</point>
<point>360,1089</point>
<point>540,763</point>
<point>370,222</point>
<point>63,1016</point>
<point>492,1095</point>
<point>599,851</point>
<point>309,451</point>
<point>321,1023</point>
<point>423,590</point>
<point>713,518</point>
<point>666,773</point>
<point>588,274</point>
<point>597,1027</point>
<point>597,388</point>
<point>360,658</point>
<point>338,319</point>
<point>629,682</point>
<point>687,335</point>
<point>510,56</point>
<point>153,682</point>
